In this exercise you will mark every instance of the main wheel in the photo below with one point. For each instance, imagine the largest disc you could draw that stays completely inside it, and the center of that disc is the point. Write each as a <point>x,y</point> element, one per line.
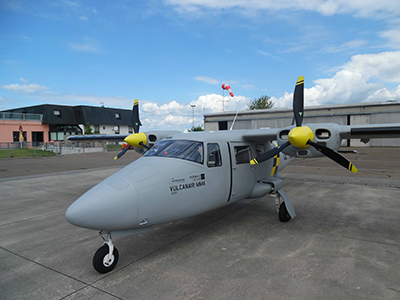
<point>283,213</point>
<point>101,260</point>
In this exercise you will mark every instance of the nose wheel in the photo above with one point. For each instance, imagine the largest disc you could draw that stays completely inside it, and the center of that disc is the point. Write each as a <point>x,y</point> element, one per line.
<point>106,257</point>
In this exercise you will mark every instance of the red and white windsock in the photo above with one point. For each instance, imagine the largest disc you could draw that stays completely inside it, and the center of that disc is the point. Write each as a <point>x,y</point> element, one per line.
<point>228,88</point>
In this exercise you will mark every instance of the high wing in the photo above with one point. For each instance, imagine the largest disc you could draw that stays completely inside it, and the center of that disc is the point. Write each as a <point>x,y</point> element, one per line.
<point>98,137</point>
<point>390,130</point>
<point>318,139</point>
<point>261,135</point>
<point>145,139</point>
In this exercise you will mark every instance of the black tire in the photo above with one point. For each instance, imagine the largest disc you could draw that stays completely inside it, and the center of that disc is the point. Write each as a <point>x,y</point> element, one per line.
<point>283,213</point>
<point>99,262</point>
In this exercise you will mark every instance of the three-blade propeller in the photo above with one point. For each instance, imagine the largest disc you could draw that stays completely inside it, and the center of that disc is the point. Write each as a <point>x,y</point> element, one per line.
<point>302,136</point>
<point>135,139</point>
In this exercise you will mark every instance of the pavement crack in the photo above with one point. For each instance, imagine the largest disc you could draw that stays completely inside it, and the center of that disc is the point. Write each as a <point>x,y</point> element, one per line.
<point>62,274</point>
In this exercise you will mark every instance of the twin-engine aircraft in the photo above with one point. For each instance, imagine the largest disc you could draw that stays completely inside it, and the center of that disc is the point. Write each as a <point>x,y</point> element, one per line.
<point>184,174</point>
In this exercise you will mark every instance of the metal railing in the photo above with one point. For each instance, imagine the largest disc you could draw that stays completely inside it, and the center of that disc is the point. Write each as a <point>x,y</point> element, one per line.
<point>20,116</point>
<point>37,148</point>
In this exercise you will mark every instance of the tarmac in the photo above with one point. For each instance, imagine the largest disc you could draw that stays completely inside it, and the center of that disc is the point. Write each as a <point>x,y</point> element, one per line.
<point>343,244</point>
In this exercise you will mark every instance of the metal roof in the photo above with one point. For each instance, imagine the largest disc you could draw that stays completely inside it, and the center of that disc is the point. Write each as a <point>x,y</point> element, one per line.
<point>66,115</point>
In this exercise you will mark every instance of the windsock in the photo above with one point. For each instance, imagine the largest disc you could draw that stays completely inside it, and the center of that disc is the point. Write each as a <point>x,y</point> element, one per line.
<point>228,88</point>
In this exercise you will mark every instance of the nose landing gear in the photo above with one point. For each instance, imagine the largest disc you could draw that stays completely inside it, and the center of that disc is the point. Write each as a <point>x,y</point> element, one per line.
<point>106,257</point>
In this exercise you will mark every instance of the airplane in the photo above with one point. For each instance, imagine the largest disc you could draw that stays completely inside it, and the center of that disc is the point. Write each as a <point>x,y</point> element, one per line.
<point>185,174</point>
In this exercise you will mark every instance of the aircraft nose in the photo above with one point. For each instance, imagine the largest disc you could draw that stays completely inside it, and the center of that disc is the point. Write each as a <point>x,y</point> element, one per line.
<point>110,205</point>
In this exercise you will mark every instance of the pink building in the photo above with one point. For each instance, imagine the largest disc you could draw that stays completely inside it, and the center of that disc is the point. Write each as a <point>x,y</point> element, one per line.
<point>33,131</point>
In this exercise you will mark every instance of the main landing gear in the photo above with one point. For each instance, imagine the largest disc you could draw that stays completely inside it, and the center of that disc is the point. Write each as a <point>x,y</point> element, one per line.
<point>283,213</point>
<point>106,257</point>
<point>283,205</point>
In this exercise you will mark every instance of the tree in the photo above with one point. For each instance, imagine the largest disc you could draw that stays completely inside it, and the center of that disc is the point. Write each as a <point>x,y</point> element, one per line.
<point>264,102</point>
<point>197,128</point>
<point>88,129</point>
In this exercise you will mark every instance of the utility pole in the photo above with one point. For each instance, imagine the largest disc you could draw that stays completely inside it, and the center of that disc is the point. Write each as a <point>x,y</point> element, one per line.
<point>193,106</point>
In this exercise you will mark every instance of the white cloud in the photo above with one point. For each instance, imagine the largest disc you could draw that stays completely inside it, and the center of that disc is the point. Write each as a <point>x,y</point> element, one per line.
<point>393,36</point>
<point>361,8</point>
<point>360,80</point>
<point>174,115</point>
<point>24,88</point>
<point>207,79</point>
<point>88,45</point>
<point>84,19</point>
<point>23,80</point>
<point>348,46</point>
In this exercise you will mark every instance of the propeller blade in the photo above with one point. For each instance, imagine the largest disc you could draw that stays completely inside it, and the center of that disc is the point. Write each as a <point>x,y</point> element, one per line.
<point>335,156</point>
<point>298,101</point>
<point>121,153</point>
<point>144,146</point>
<point>271,153</point>
<point>135,117</point>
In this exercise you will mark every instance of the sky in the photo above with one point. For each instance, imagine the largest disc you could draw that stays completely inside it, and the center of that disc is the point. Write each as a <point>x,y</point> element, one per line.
<point>172,54</point>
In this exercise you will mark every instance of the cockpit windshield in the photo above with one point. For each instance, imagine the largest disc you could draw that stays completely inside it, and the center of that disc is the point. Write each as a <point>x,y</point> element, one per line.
<point>183,149</point>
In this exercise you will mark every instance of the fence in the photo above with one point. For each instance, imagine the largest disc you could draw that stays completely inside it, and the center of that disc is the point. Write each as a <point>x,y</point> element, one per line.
<point>38,148</point>
<point>20,116</point>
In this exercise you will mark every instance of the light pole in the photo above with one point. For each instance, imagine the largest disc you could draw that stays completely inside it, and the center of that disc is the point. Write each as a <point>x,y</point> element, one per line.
<point>193,106</point>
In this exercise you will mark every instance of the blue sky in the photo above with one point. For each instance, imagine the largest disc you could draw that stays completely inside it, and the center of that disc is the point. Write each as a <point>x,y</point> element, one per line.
<point>174,53</point>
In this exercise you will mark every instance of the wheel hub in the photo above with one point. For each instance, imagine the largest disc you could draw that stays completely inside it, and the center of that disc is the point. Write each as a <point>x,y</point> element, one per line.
<point>107,261</point>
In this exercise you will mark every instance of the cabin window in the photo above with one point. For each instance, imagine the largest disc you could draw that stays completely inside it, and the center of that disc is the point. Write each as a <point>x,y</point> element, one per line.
<point>213,155</point>
<point>242,154</point>
<point>182,149</point>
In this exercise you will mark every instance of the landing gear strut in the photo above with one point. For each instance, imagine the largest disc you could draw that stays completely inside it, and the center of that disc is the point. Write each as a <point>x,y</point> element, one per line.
<point>106,257</point>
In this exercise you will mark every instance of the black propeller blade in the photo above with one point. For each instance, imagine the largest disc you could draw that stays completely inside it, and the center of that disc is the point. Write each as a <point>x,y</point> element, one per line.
<point>302,136</point>
<point>144,146</point>
<point>298,101</point>
<point>135,124</point>
<point>271,153</point>
<point>122,153</point>
<point>135,117</point>
<point>335,156</point>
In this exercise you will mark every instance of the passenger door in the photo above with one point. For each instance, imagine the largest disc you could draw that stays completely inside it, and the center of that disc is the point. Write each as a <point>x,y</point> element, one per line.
<point>242,171</point>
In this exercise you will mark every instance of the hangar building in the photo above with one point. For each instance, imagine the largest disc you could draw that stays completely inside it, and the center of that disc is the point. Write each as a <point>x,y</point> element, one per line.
<point>47,122</point>
<point>343,114</point>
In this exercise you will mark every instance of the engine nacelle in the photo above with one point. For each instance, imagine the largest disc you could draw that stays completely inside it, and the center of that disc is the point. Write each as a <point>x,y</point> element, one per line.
<point>326,134</point>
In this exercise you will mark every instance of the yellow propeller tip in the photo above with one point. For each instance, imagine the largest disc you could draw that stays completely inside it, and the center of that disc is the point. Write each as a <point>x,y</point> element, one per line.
<point>353,168</point>
<point>116,157</point>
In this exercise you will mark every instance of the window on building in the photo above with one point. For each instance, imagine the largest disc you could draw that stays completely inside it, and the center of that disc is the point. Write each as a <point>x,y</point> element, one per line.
<point>16,136</point>
<point>242,154</point>
<point>130,129</point>
<point>96,129</point>
<point>118,116</point>
<point>213,155</point>
<point>57,113</point>
<point>223,125</point>
<point>116,129</point>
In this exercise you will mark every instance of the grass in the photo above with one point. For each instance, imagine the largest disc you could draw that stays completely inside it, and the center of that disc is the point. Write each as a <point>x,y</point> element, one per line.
<point>114,147</point>
<point>25,152</point>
